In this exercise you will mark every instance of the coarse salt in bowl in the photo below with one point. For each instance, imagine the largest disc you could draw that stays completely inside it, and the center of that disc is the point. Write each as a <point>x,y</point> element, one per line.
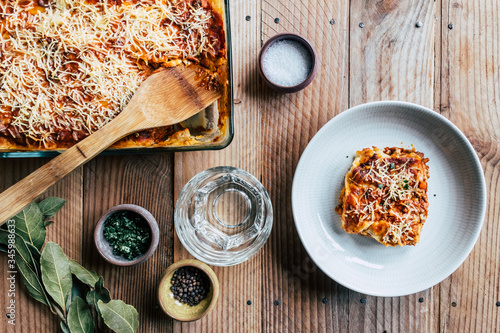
<point>287,63</point>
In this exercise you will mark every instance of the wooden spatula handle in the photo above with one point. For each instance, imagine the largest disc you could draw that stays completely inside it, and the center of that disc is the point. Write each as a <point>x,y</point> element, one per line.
<point>165,98</point>
<point>19,195</point>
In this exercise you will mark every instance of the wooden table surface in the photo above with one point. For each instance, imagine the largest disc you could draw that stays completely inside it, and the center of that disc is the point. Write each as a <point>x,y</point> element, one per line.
<point>368,50</point>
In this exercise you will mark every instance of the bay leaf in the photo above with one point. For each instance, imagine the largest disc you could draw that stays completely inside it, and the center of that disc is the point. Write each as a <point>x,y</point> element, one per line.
<point>56,274</point>
<point>35,253</point>
<point>78,289</point>
<point>35,260</point>
<point>4,237</point>
<point>100,293</point>
<point>29,225</point>
<point>64,328</point>
<point>83,274</point>
<point>119,316</point>
<point>28,267</point>
<point>4,240</point>
<point>50,206</point>
<point>79,317</point>
<point>30,274</point>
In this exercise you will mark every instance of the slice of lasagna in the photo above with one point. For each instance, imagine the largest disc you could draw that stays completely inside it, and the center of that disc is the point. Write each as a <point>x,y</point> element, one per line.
<point>385,195</point>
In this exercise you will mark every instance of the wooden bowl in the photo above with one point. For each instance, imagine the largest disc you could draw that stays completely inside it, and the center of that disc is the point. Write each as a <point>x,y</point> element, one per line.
<point>106,250</point>
<point>181,311</point>
<point>306,44</point>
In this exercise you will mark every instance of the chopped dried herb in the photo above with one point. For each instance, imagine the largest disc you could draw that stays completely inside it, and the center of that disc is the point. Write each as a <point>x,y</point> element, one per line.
<point>127,233</point>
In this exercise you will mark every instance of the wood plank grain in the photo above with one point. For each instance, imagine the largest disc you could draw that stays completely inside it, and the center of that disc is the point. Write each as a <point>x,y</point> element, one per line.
<point>390,58</point>
<point>471,99</point>
<point>32,316</point>
<point>309,301</point>
<point>144,180</point>
<point>243,282</point>
<point>393,59</point>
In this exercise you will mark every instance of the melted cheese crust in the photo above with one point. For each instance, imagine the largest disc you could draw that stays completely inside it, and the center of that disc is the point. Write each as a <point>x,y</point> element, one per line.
<point>67,67</point>
<point>385,195</point>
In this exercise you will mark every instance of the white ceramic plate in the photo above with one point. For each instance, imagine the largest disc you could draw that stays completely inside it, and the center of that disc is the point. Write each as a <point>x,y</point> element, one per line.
<point>457,199</point>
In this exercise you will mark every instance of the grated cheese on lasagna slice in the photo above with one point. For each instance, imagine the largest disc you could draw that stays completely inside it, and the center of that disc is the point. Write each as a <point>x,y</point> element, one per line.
<point>385,195</point>
<point>67,67</point>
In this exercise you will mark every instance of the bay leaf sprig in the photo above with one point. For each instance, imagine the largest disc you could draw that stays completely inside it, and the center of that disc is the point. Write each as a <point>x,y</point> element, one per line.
<point>56,276</point>
<point>75,294</point>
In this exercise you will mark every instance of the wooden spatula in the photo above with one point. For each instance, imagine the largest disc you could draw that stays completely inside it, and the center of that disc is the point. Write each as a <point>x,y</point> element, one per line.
<point>165,98</point>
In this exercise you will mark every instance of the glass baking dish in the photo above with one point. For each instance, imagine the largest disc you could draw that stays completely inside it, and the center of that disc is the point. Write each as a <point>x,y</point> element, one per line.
<point>211,129</point>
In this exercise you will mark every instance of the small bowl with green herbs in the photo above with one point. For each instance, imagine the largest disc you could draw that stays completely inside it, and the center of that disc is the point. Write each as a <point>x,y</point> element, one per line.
<point>126,235</point>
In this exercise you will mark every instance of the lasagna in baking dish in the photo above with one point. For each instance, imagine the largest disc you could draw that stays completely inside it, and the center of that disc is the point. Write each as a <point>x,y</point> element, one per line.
<point>385,195</point>
<point>67,67</point>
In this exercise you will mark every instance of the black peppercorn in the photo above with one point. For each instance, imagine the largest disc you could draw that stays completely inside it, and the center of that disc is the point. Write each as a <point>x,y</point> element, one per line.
<point>190,285</point>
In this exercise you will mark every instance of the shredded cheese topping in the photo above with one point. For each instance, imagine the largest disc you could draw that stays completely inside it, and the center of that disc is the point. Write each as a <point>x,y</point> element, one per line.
<point>68,68</point>
<point>388,191</point>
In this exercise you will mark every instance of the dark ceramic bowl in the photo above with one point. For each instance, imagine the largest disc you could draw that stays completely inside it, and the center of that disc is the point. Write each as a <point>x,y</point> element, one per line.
<point>106,250</point>
<point>307,46</point>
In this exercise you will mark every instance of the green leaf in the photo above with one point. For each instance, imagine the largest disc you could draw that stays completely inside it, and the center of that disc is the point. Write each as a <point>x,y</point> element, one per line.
<point>35,253</point>
<point>79,317</point>
<point>6,229</point>
<point>79,289</point>
<point>4,237</point>
<point>56,275</point>
<point>47,223</point>
<point>4,240</point>
<point>120,317</point>
<point>64,328</point>
<point>29,225</point>
<point>98,294</point>
<point>83,274</point>
<point>28,267</point>
<point>50,206</point>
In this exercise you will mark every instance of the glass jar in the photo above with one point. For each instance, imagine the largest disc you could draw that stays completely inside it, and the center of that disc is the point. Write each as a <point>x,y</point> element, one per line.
<point>223,216</point>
